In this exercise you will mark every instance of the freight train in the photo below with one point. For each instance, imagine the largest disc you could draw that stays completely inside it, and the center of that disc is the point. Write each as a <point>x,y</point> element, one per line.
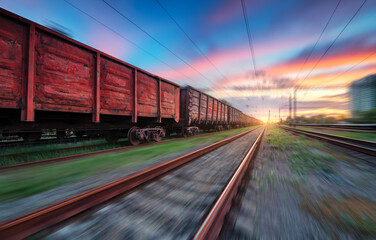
<point>50,81</point>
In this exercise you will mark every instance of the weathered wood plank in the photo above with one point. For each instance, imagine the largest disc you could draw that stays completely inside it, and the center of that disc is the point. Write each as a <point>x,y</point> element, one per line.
<point>13,61</point>
<point>64,81</point>
<point>116,87</point>
<point>147,94</point>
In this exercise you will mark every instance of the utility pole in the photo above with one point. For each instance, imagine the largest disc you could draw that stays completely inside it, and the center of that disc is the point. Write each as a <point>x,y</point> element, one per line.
<point>295,107</point>
<point>290,111</point>
<point>279,115</point>
<point>269,118</point>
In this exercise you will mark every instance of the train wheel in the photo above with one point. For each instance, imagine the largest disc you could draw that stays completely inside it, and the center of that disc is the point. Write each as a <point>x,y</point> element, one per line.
<point>161,133</point>
<point>132,137</point>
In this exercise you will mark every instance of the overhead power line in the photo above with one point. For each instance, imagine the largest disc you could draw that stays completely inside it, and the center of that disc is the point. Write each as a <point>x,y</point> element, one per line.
<point>121,36</point>
<point>156,40</point>
<point>334,41</point>
<point>249,36</point>
<point>318,39</point>
<point>190,39</point>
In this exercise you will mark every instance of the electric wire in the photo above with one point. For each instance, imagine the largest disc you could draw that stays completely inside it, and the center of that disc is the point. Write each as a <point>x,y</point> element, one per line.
<point>334,41</point>
<point>318,39</point>
<point>156,40</point>
<point>190,39</point>
<point>121,36</point>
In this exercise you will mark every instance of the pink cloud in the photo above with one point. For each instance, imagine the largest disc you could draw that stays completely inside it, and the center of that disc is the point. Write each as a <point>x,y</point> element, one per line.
<point>227,11</point>
<point>227,58</point>
<point>108,43</point>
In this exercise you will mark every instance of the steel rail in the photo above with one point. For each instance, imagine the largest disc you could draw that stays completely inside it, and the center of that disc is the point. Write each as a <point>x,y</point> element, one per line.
<point>213,222</point>
<point>362,146</point>
<point>36,221</point>
<point>81,155</point>
<point>342,126</point>
<point>340,129</point>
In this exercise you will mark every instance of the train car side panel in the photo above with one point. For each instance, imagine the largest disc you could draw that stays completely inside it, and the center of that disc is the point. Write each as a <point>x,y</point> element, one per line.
<point>204,107</point>
<point>177,103</point>
<point>117,87</point>
<point>168,100</point>
<point>147,96</point>
<point>210,109</point>
<point>13,47</point>
<point>64,75</point>
<point>193,105</point>
<point>215,111</point>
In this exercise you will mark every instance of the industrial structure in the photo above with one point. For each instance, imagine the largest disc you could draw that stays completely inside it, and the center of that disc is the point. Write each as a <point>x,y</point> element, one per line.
<point>363,95</point>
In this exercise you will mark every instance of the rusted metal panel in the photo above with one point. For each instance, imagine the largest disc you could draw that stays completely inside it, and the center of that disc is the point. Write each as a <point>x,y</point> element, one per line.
<point>226,113</point>
<point>169,102</point>
<point>159,101</point>
<point>222,109</point>
<point>135,98</point>
<point>219,111</point>
<point>147,96</point>
<point>184,113</point>
<point>65,75</point>
<point>199,108</point>
<point>177,103</point>
<point>193,105</point>
<point>13,61</point>
<point>117,83</point>
<point>229,115</point>
<point>215,111</point>
<point>204,108</point>
<point>210,109</point>
<point>97,91</point>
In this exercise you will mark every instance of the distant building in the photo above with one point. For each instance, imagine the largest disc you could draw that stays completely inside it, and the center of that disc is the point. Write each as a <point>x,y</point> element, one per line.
<point>363,95</point>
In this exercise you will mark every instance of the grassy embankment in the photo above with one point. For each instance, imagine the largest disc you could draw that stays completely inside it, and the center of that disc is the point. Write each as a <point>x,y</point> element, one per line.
<point>306,157</point>
<point>15,184</point>
<point>36,153</point>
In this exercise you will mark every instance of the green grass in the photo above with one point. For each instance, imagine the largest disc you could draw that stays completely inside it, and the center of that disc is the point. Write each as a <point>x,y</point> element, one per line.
<point>15,184</point>
<point>54,150</point>
<point>47,147</point>
<point>304,155</point>
<point>357,135</point>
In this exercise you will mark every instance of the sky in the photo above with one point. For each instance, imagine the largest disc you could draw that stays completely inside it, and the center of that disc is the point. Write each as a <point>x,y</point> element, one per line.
<point>205,44</point>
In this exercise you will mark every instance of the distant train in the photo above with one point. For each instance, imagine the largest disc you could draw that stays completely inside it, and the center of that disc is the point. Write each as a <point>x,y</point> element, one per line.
<point>49,81</point>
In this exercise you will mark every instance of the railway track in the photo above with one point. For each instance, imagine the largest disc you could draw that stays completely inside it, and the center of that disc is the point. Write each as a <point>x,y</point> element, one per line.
<point>341,129</point>
<point>355,127</point>
<point>80,155</point>
<point>216,172</point>
<point>365,147</point>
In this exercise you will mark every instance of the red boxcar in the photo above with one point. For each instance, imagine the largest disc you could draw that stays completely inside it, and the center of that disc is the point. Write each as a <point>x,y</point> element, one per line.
<point>49,81</point>
<point>43,71</point>
<point>202,110</point>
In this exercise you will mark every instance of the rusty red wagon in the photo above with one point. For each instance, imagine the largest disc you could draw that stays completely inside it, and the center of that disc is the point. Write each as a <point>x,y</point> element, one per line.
<point>50,81</point>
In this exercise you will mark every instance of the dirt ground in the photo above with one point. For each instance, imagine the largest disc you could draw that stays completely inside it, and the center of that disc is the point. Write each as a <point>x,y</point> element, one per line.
<point>303,189</point>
